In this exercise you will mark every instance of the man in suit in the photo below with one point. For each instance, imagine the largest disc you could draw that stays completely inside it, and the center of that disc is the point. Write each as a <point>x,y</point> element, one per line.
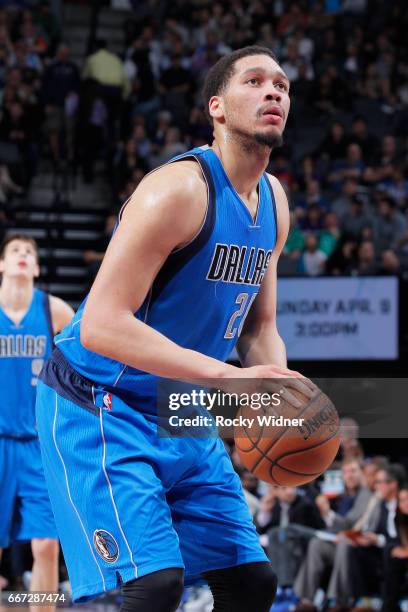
<point>366,558</point>
<point>357,505</point>
<point>286,515</point>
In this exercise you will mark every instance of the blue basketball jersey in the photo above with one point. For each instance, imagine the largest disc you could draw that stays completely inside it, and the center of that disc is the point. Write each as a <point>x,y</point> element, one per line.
<point>204,290</point>
<point>23,349</point>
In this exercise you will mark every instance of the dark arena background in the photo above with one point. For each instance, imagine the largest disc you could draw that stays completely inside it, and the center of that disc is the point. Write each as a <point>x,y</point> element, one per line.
<point>94,95</point>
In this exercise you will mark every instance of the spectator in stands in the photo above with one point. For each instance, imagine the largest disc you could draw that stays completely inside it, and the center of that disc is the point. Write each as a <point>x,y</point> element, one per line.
<point>311,220</point>
<point>142,143</point>
<point>387,159</point>
<point>127,160</point>
<point>350,447</point>
<point>389,224</point>
<point>367,264</point>
<point>334,146</point>
<point>396,557</point>
<point>60,89</point>
<point>295,242</point>
<point>313,259</point>
<point>199,131</point>
<point>292,61</point>
<point>396,187</point>
<point>351,509</point>
<point>281,168</point>
<point>91,127</point>
<point>342,260</point>
<point>352,167</point>
<point>356,219</point>
<point>401,250</point>
<point>250,486</point>
<point>366,555</point>
<point>48,23</point>
<point>283,515</point>
<point>25,59</point>
<point>329,237</point>
<point>108,71</point>
<point>173,145</point>
<point>139,70</point>
<point>163,123</point>
<point>360,135</point>
<point>370,469</point>
<point>301,89</point>
<point>342,203</point>
<point>175,89</point>
<point>323,98</point>
<point>32,34</point>
<point>14,130</point>
<point>307,172</point>
<point>390,263</point>
<point>313,195</point>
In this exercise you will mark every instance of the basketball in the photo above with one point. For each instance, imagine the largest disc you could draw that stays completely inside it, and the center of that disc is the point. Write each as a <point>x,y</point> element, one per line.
<point>290,455</point>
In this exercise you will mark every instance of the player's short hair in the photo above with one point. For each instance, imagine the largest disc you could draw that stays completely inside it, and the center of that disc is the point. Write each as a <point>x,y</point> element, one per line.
<point>11,237</point>
<point>220,73</point>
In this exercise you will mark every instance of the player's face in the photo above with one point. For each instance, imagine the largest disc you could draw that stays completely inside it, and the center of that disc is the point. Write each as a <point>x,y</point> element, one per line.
<point>256,101</point>
<point>20,260</point>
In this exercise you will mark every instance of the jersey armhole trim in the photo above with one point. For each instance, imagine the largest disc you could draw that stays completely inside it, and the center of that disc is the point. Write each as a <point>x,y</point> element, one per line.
<point>275,213</point>
<point>178,258</point>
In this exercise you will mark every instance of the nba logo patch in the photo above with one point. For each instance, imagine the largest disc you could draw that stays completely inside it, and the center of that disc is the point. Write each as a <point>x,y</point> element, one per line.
<point>107,401</point>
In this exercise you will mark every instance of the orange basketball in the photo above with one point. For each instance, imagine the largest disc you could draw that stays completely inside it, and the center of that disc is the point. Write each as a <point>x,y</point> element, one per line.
<point>289,454</point>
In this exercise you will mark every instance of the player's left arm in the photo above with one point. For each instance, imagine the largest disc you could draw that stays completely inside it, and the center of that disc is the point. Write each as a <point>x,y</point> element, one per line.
<point>260,342</point>
<point>61,313</point>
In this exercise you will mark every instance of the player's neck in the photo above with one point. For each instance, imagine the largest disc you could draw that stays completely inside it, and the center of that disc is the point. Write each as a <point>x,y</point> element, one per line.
<point>16,293</point>
<point>243,167</point>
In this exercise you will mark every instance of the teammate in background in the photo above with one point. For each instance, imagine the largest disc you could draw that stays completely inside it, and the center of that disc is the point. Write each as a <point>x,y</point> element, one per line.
<point>194,253</point>
<point>29,318</point>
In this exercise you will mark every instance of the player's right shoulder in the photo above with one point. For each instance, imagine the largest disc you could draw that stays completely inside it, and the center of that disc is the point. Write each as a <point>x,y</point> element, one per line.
<point>170,202</point>
<point>179,185</point>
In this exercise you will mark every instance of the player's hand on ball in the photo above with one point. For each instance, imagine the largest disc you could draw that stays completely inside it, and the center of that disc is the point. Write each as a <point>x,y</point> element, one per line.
<point>281,381</point>
<point>287,444</point>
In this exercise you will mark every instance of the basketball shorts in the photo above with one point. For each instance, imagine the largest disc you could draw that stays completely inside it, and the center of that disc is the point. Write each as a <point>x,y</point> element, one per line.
<point>128,502</point>
<point>25,509</point>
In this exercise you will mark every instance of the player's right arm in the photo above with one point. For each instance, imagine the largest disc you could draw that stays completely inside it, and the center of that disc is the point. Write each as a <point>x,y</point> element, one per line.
<point>165,212</point>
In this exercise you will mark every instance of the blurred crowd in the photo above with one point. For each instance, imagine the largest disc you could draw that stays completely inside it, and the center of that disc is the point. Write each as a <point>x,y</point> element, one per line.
<point>28,48</point>
<point>344,161</point>
<point>341,542</point>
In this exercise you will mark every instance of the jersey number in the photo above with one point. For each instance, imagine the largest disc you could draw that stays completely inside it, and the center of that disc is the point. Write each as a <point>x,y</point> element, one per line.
<point>244,302</point>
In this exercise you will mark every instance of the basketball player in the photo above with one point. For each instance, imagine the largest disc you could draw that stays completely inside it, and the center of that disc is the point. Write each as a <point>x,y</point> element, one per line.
<point>28,320</point>
<point>195,251</point>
